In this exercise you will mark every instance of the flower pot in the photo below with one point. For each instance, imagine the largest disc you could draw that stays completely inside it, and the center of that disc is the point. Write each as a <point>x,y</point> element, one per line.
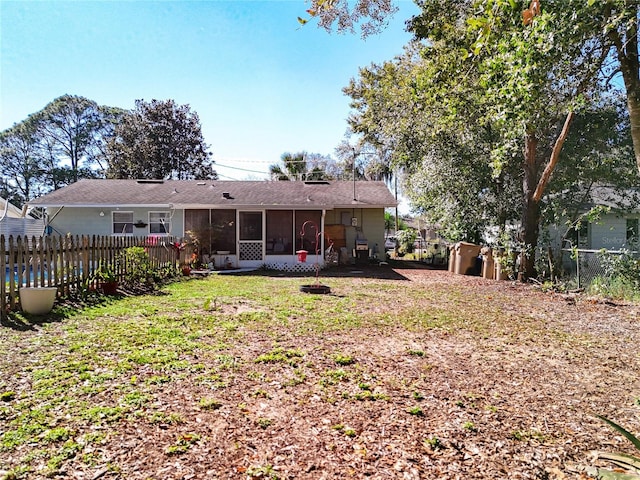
<point>37,300</point>
<point>186,271</point>
<point>109,288</point>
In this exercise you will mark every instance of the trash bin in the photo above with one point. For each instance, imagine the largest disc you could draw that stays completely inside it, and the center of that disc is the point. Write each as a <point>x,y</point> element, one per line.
<point>466,255</point>
<point>452,257</point>
<point>488,267</point>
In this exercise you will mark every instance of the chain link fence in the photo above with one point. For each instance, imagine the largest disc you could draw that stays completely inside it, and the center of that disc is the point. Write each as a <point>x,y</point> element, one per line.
<point>584,266</point>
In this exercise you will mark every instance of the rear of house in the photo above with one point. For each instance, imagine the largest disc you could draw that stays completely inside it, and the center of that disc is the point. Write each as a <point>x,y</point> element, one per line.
<point>243,223</point>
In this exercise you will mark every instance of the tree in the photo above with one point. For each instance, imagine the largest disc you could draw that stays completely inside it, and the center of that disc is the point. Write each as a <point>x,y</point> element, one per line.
<point>19,158</point>
<point>438,134</point>
<point>73,132</point>
<point>469,120</point>
<point>597,157</point>
<point>370,15</point>
<point>610,26</point>
<point>159,139</point>
<point>304,166</point>
<point>56,146</point>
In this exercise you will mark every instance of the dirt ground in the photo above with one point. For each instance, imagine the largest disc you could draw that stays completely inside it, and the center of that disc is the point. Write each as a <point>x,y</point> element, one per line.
<point>513,401</point>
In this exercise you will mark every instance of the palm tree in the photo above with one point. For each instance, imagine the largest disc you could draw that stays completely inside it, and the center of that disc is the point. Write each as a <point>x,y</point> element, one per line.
<point>294,167</point>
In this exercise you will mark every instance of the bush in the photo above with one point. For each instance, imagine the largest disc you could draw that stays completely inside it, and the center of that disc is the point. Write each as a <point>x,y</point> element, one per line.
<point>621,277</point>
<point>138,267</point>
<point>405,239</point>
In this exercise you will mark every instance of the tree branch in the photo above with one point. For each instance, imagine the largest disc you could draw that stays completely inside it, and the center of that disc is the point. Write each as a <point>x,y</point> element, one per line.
<point>553,161</point>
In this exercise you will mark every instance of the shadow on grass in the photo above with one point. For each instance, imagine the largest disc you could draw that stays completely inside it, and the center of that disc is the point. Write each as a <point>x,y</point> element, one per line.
<point>64,308</point>
<point>67,307</point>
<point>384,271</point>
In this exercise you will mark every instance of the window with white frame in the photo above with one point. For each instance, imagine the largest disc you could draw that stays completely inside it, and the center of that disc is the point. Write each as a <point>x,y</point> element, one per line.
<point>122,223</point>
<point>159,223</point>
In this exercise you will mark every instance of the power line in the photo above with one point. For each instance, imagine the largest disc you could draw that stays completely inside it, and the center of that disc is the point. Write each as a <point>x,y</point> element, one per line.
<point>242,169</point>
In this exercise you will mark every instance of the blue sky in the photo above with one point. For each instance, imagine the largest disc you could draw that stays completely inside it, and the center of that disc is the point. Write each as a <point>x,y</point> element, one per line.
<point>261,84</point>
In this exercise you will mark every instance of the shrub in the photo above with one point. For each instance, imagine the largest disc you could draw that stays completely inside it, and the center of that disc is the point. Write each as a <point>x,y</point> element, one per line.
<point>138,267</point>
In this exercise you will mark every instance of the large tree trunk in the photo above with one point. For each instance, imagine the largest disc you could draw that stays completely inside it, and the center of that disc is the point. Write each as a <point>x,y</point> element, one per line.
<point>530,224</point>
<point>625,41</point>
<point>633,104</point>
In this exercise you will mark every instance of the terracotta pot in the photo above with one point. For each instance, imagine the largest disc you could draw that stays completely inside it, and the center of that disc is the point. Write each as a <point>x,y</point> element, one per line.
<point>109,288</point>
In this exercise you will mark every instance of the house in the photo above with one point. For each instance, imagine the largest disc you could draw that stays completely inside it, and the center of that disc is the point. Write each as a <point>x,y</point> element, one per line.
<point>615,228</point>
<point>246,223</point>
<point>9,210</point>
<point>15,222</point>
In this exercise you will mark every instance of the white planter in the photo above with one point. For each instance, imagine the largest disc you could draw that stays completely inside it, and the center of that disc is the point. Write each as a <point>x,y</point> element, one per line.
<point>37,300</point>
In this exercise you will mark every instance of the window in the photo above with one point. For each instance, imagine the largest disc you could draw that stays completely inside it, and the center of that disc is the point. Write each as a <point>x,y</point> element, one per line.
<point>579,236</point>
<point>279,232</point>
<point>159,223</point>
<point>122,223</point>
<point>632,231</point>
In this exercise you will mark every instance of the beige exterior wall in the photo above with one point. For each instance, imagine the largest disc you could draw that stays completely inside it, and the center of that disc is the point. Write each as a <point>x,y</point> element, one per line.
<point>370,222</point>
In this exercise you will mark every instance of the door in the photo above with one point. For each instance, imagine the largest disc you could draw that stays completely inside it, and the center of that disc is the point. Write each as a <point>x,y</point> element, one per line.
<point>251,236</point>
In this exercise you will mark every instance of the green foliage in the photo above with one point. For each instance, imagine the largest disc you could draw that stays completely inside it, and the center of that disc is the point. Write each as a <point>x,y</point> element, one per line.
<point>210,403</point>
<point>265,471</point>
<point>55,146</point>
<point>105,273</point>
<point>416,411</point>
<point>304,166</point>
<point>458,110</point>
<point>138,267</point>
<point>280,355</point>
<point>433,442</point>
<point>628,463</point>
<point>343,360</point>
<point>7,396</point>
<point>405,239</point>
<point>182,444</point>
<point>624,265</point>
<point>159,139</point>
<point>621,278</point>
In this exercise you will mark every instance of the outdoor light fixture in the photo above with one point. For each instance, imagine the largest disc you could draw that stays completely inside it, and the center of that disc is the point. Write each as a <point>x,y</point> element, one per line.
<point>102,214</point>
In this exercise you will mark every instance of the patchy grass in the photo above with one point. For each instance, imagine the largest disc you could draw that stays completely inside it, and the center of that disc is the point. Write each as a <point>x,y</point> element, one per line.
<point>463,376</point>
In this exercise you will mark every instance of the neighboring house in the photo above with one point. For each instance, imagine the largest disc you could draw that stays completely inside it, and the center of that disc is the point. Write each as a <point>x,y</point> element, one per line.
<point>9,210</point>
<point>616,229</point>
<point>252,222</point>
<point>14,223</point>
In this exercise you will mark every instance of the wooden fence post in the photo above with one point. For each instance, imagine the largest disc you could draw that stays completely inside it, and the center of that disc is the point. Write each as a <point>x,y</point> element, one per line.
<point>3,285</point>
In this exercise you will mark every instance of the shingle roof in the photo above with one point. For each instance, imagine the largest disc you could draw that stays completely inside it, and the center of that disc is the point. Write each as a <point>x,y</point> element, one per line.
<point>211,194</point>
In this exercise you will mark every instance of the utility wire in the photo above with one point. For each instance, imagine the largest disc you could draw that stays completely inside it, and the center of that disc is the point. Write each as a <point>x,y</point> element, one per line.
<point>238,168</point>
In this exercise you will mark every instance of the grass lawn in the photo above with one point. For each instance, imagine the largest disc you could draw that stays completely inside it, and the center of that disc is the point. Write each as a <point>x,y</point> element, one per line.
<point>397,374</point>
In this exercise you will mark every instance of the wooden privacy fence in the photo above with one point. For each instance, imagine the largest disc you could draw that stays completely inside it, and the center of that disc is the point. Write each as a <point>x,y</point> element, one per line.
<point>70,262</point>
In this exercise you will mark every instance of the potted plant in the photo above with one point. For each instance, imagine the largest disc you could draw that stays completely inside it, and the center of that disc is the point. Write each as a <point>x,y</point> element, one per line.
<point>107,280</point>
